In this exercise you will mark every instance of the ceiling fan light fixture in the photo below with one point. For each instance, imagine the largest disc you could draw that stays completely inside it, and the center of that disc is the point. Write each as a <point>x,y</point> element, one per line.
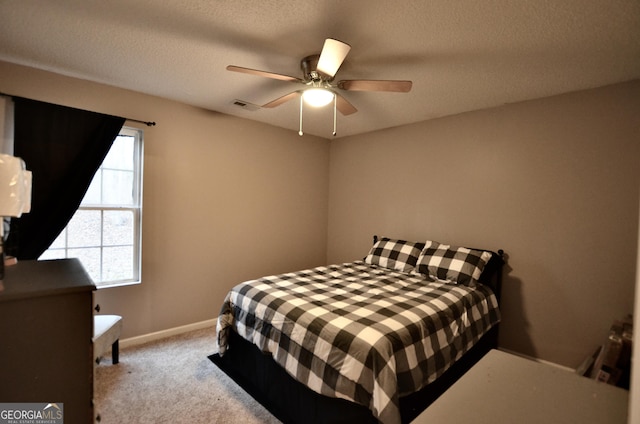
<point>319,71</point>
<point>317,97</point>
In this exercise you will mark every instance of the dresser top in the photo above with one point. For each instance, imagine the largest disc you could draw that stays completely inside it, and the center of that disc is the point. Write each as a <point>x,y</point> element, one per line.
<point>28,279</point>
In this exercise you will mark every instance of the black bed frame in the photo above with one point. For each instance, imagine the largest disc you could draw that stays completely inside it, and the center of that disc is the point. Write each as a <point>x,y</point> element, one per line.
<point>292,402</point>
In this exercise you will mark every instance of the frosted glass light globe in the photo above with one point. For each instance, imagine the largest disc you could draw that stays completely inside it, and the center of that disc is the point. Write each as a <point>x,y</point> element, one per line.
<point>317,97</point>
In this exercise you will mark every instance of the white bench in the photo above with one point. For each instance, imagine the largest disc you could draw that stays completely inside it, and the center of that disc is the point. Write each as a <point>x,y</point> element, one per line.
<point>106,334</point>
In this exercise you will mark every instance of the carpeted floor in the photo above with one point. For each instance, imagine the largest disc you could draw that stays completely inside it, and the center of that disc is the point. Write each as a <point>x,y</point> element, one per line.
<point>172,381</point>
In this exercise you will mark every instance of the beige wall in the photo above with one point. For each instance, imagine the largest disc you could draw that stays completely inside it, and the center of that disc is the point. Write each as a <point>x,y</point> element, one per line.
<point>225,200</point>
<point>634,402</point>
<point>553,182</point>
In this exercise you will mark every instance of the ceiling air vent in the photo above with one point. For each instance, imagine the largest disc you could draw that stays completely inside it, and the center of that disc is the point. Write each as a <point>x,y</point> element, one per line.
<point>245,105</point>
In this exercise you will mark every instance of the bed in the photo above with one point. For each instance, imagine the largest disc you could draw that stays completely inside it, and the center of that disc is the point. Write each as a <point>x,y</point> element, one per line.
<point>374,340</point>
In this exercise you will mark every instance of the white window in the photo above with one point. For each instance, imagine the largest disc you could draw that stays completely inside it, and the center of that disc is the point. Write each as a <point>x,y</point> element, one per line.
<point>105,233</point>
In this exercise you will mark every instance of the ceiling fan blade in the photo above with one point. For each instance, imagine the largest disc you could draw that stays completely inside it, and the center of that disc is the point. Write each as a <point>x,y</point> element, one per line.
<point>344,106</point>
<point>376,85</point>
<point>263,73</point>
<point>281,100</point>
<point>332,56</point>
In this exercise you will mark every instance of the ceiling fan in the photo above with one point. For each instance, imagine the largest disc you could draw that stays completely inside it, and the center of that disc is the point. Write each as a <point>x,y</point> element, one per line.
<point>318,74</point>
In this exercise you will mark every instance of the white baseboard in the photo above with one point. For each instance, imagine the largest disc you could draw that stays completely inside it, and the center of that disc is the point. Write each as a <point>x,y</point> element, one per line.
<point>542,361</point>
<point>145,338</point>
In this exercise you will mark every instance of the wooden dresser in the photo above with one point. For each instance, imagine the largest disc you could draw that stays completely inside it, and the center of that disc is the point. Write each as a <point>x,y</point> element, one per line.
<point>46,326</point>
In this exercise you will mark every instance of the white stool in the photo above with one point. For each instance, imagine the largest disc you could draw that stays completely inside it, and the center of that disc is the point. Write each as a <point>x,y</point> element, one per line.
<point>106,333</point>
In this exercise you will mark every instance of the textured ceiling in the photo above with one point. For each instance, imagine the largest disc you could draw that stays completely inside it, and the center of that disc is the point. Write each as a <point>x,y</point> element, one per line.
<point>460,55</point>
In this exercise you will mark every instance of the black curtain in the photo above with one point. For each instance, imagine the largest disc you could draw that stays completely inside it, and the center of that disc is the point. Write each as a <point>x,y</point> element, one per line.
<point>63,147</point>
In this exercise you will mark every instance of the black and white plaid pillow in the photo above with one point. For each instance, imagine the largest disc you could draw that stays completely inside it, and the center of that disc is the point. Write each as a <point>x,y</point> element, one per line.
<point>399,255</point>
<point>457,265</point>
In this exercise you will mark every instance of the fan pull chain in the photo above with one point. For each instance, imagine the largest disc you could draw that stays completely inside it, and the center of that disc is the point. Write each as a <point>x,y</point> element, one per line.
<point>335,107</point>
<point>300,133</point>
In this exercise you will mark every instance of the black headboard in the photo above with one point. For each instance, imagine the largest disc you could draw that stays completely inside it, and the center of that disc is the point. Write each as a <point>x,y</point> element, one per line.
<point>492,273</point>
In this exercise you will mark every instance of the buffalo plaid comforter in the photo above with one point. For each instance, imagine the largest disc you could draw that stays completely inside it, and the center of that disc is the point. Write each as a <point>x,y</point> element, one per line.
<point>357,331</point>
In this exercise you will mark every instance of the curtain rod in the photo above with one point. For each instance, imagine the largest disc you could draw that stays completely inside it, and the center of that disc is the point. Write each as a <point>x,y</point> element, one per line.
<point>147,123</point>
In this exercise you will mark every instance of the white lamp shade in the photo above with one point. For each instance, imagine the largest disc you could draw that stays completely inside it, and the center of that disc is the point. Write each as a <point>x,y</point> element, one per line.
<point>26,200</point>
<point>15,186</point>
